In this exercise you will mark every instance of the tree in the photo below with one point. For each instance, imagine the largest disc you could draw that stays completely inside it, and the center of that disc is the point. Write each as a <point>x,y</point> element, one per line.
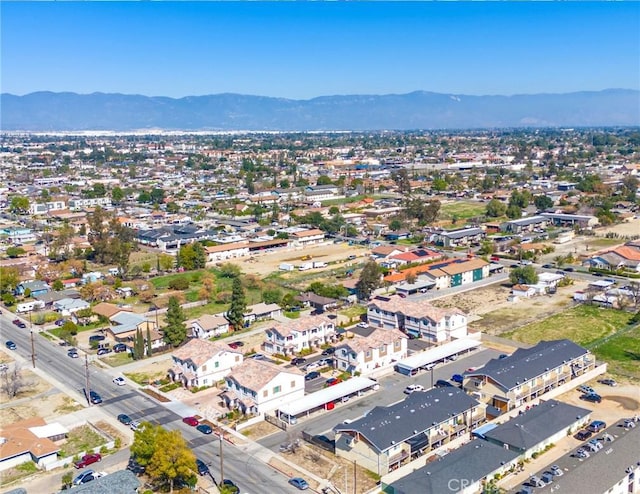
<point>12,382</point>
<point>19,205</point>
<point>369,280</point>
<point>514,212</point>
<point>144,197</point>
<point>487,248</point>
<point>272,296</point>
<point>112,242</point>
<point>543,202</point>
<point>57,285</point>
<point>410,277</point>
<point>138,345</point>
<point>495,208</point>
<point>401,178</point>
<point>323,180</point>
<point>228,270</point>
<point>235,314</point>
<point>525,274</point>
<point>157,196</point>
<point>424,212</point>
<point>149,347</point>
<point>67,480</point>
<point>172,459</point>
<point>9,279</point>
<point>145,442</point>
<point>173,208</point>
<point>192,256</point>
<point>175,331</point>
<point>14,252</point>
<point>117,195</point>
<point>166,262</point>
<point>395,225</point>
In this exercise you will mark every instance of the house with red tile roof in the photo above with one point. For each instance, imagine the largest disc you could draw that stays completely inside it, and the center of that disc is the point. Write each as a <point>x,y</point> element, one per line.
<point>29,440</point>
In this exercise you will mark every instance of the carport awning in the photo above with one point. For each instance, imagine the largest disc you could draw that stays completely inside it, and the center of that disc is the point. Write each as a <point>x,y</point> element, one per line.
<point>421,359</point>
<point>483,429</point>
<point>326,395</point>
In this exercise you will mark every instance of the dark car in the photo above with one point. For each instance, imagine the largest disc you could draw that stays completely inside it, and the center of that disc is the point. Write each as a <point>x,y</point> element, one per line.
<point>569,269</point>
<point>84,477</point>
<point>329,351</point>
<point>95,398</point>
<point>583,435</point>
<point>203,469</point>
<point>298,361</point>
<point>311,376</point>
<point>87,460</point>
<point>96,337</point>
<point>124,419</point>
<point>592,397</point>
<point>119,348</point>
<point>441,383</point>
<point>599,275</point>
<point>73,353</point>
<point>609,382</point>
<point>60,322</point>
<point>19,323</point>
<point>135,467</point>
<point>457,378</point>
<point>11,345</point>
<point>547,266</point>
<point>230,486</point>
<point>204,428</point>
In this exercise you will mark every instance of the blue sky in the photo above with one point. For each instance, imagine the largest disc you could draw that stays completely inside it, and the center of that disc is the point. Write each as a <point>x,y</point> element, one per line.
<point>302,50</point>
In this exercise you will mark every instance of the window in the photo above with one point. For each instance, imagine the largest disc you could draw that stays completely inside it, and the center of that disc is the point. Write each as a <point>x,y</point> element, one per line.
<point>265,393</point>
<point>204,368</point>
<point>237,358</point>
<point>277,389</point>
<point>293,384</point>
<point>216,365</point>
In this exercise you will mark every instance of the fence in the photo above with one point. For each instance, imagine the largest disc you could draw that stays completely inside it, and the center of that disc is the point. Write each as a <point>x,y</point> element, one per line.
<point>316,441</point>
<point>276,421</point>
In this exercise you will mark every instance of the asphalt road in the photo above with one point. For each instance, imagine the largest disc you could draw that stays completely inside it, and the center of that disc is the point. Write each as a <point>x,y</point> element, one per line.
<point>391,391</point>
<point>249,473</point>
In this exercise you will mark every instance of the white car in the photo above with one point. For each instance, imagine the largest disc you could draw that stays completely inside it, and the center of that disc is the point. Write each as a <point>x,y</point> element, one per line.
<point>362,325</point>
<point>412,388</point>
<point>312,366</point>
<point>135,425</point>
<point>119,381</point>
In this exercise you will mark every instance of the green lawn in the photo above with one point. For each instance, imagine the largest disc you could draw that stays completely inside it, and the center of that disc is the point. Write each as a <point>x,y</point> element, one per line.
<point>83,438</point>
<point>583,324</point>
<point>600,243</point>
<point>622,352</point>
<point>462,210</point>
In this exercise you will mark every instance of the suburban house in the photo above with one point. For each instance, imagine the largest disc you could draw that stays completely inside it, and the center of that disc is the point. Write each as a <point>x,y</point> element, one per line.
<point>203,362</point>
<point>317,302</point>
<point>68,306</point>
<point>623,257</point>
<point>302,237</point>
<point>460,238</point>
<point>417,319</point>
<point>30,440</point>
<point>34,288</point>
<point>532,430</point>
<point>572,220</point>
<point>523,291</point>
<point>528,373</point>
<point>463,470</point>
<point>124,326</point>
<point>370,351</point>
<point>223,252</point>
<point>261,312</point>
<point>257,387</point>
<point>389,437</point>
<point>307,332</point>
<point>459,272</point>
<point>207,326</point>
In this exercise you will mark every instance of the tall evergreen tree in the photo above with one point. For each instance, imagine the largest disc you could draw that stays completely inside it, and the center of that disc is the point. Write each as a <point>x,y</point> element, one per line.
<point>369,280</point>
<point>149,348</point>
<point>238,305</point>
<point>138,345</point>
<point>175,331</point>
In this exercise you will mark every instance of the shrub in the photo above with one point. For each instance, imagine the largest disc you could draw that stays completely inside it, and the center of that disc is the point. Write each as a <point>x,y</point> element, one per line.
<point>179,283</point>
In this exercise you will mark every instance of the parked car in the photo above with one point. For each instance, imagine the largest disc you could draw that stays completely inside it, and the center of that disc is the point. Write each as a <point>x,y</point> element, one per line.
<point>95,397</point>
<point>362,325</point>
<point>441,383</point>
<point>595,445</point>
<point>311,376</point>
<point>332,381</point>
<point>298,482</point>
<point>119,348</point>
<point>583,435</point>
<point>230,486</point>
<point>592,397</point>
<point>258,356</point>
<point>312,366</point>
<point>609,382</point>
<point>135,467</point>
<point>582,453</point>
<point>19,323</point>
<point>569,270</point>
<point>192,421</point>
<point>586,389</point>
<point>597,425</point>
<point>629,423</point>
<point>11,345</point>
<point>73,353</point>
<point>325,362</point>
<point>203,469</point>
<point>547,266</point>
<point>298,361</point>
<point>502,355</point>
<point>60,322</point>
<point>135,425</point>
<point>329,351</point>
<point>204,428</point>
<point>103,351</point>
<point>87,460</point>
<point>536,481</point>
<point>556,471</point>
<point>124,419</point>
<point>412,388</point>
<point>457,378</point>
<point>119,381</point>
<point>84,477</point>
<point>96,337</point>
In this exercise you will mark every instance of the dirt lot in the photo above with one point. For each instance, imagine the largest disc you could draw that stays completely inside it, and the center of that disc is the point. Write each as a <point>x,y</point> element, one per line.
<point>630,228</point>
<point>489,311</point>
<point>265,264</point>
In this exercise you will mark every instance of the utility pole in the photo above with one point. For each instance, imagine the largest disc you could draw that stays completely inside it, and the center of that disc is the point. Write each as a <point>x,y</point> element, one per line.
<point>86,371</point>
<point>355,491</point>
<point>33,344</point>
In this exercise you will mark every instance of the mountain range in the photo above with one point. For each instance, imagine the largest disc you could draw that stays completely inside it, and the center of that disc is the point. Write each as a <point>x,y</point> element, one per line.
<point>49,111</point>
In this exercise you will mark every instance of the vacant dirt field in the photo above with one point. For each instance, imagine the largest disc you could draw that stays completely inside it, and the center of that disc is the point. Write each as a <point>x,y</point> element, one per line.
<point>265,264</point>
<point>630,228</point>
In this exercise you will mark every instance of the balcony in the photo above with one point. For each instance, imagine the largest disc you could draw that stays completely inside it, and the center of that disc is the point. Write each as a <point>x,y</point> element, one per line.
<point>403,455</point>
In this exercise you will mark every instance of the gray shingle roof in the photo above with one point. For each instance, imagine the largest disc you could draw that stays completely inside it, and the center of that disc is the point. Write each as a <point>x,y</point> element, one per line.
<point>465,232</point>
<point>526,363</point>
<point>537,424</point>
<point>410,417</point>
<point>120,482</point>
<point>462,467</point>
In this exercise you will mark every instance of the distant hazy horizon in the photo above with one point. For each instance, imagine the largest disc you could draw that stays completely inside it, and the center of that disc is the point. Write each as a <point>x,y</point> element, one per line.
<point>304,50</point>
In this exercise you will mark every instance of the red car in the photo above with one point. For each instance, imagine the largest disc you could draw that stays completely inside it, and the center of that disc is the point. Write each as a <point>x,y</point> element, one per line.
<point>88,460</point>
<point>192,421</point>
<point>332,381</point>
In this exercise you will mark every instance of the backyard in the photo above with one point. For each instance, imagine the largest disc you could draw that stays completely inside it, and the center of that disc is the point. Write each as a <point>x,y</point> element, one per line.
<point>461,210</point>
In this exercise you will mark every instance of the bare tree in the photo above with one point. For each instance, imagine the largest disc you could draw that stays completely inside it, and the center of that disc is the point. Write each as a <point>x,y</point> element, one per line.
<point>12,382</point>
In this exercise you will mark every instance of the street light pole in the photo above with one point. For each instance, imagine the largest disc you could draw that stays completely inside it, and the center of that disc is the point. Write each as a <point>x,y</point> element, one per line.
<point>221,457</point>
<point>33,344</point>
<point>86,370</point>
